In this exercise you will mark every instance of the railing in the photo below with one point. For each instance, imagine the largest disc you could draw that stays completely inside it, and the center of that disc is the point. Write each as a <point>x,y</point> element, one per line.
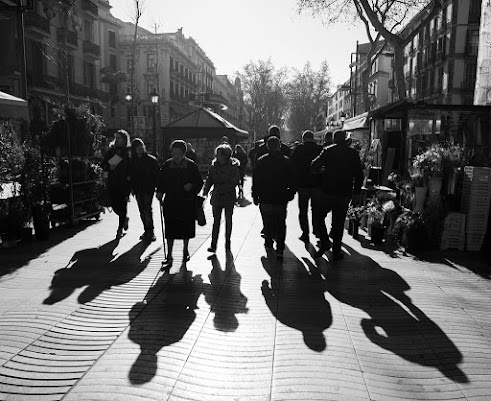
<point>92,8</point>
<point>37,21</point>
<point>91,48</point>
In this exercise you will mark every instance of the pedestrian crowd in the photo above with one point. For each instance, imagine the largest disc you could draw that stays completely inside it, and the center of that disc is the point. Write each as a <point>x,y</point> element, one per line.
<point>328,178</point>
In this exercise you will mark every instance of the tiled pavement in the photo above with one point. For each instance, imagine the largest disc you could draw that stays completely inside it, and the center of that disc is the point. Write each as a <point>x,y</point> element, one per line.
<point>81,320</point>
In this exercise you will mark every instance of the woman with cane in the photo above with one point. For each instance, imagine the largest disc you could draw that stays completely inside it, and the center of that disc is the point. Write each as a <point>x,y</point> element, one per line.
<point>180,182</point>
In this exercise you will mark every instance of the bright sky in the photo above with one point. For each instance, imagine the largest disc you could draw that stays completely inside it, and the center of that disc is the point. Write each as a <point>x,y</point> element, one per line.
<point>234,32</point>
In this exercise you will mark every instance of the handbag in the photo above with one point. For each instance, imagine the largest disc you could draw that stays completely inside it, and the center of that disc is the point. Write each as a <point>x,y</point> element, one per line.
<point>200,213</point>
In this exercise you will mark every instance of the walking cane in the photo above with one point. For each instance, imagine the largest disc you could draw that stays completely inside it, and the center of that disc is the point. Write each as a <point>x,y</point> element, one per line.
<point>163,231</point>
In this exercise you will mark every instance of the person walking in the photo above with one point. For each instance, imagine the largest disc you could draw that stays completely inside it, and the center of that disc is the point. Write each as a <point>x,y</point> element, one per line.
<point>116,163</point>
<point>241,155</point>
<point>342,179</point>
<point>180,182</point>
<point>273,186</point>
<point>308,183</point>
<point>144,176</point>
<point>224,176</point>
<point>274,130</point>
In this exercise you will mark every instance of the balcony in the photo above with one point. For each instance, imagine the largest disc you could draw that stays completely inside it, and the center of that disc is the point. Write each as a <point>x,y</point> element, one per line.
<point>91,49</point>
<point>71,37</point>
<point>90,7</point>
<point>391,84</point>
<point>37,22</point>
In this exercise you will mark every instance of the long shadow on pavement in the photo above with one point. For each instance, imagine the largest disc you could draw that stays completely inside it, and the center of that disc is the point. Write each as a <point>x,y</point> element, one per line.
<point>163,321</point>
<point>395,323</point>
<point>223,294</point>
<point>296,298</point>
<point>98,269</point>
<point>19,256</point>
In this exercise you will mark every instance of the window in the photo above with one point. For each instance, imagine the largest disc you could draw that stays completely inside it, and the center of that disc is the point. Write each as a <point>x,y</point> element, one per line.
<point>449,13</point>
<point>89,75</point>
<point>113,62</point>
<point>112,39</point>
<point>474,11</point>
<point>88,31</point>
<point>150,86</point>
<point>128,64</point>
<point>472,42</point>
<point>171,63</point>
<point>151,62</point>
<point>470,76</point>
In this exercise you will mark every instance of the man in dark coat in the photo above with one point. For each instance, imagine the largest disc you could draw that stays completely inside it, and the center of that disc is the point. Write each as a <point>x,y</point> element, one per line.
<point>274,130</point>
<point>144,175</point>
<point>308,183</point>
<point>342,178</point>
<point>273,186</point>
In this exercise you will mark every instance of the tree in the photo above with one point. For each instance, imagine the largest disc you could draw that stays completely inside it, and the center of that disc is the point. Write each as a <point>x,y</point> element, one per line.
<point>385,17</point>
<point>307,94</point>
<point>264,94</point>
<point>138,7</point>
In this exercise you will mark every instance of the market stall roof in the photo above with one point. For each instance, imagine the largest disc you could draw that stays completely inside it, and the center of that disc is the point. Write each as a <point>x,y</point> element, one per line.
<point>357,122</point>
<point>13,107</point>
<point>203,122</point>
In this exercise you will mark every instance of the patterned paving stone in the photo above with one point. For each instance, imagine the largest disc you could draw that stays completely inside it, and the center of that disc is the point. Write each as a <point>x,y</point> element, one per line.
<point>91,318</point>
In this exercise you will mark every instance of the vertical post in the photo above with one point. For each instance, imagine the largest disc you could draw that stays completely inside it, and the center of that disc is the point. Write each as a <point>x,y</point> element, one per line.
<point>356,79</point>
<point>155,129</point>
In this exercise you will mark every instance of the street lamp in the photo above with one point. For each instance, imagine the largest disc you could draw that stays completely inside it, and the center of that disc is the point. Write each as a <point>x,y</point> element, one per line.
<point>154,97</point>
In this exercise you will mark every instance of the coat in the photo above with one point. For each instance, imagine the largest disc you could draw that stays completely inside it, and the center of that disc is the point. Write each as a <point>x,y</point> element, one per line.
<point>273,179</point>
<point>179,205</point>
<point>144,173</point>
<point>118,180</point>
<point>224,178</point>
<point>302,158</point>
<point>342,172</point>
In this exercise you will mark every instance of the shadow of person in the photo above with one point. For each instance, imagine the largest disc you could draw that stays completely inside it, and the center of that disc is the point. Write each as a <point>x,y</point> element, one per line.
<point>296,299</point>
<point>163,321</point>
<point>395,323</point>
<point>223,294</point>
<point>98,269</point>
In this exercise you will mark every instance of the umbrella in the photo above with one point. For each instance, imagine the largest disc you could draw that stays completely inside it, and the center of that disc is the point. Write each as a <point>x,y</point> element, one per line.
<point>13,107</point>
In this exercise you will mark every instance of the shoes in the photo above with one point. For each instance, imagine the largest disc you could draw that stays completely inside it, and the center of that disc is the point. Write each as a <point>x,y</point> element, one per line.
<point>119,233</point>
<point>212,249</point>
<point>167,262</point>
<point>148,236</point>
<point>279,255</point>
<point>268,245</point>
<point>337,256</point>
<point>304,237</point>
<point>185,256</point>
<point>151,237</point>
<point>322,250</point>
<point>126,222</point>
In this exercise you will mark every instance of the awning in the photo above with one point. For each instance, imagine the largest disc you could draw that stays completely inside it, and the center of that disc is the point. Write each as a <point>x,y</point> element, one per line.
<point>358,122</point>
<point>13,107</point>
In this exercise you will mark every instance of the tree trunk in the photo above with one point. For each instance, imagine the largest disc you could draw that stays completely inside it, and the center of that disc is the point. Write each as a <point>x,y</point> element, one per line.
<point>400,79</point>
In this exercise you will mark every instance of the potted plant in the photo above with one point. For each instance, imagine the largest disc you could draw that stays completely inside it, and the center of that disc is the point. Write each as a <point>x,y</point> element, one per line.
<point>409,231</point>
<point>354,215</point>
<point>376,217</point>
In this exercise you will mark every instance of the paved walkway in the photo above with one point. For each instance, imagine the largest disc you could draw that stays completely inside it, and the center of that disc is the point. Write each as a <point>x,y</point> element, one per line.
<point>86,317</point>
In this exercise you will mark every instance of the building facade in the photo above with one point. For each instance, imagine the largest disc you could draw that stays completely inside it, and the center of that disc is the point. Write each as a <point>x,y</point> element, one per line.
<point>66,46</point>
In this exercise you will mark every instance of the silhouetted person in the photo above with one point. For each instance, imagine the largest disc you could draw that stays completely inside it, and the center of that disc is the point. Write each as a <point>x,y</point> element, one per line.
<point>273,186</point>
<point>342,177</point>
<point>144,174</point>
<point>223,176</point>
<point>274,130</point>
<point>117,163</point>
<point>308,183</point>
<point>241,155</point>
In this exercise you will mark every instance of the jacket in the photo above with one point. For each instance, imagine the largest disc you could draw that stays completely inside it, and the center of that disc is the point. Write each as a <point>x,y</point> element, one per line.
<point>224,178</point>
<point>302,158</point>
<point>118,180</point>
<point>273,179</point>
<point>342,172</point>
<point>263,150</point>
<point>144,174</point>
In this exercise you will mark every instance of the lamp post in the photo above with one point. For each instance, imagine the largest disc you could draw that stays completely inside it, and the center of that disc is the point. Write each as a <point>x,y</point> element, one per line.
<point>128,98</point>
<point>154,97</point>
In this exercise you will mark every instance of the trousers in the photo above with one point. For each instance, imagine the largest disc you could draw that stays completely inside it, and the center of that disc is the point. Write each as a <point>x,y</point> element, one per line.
<point>274,220</point>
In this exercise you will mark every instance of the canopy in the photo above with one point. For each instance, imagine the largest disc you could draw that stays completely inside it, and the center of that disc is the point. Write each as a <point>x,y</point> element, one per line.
<point>13,107</point>
<point>202,122</point>
<point>356,122</point>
